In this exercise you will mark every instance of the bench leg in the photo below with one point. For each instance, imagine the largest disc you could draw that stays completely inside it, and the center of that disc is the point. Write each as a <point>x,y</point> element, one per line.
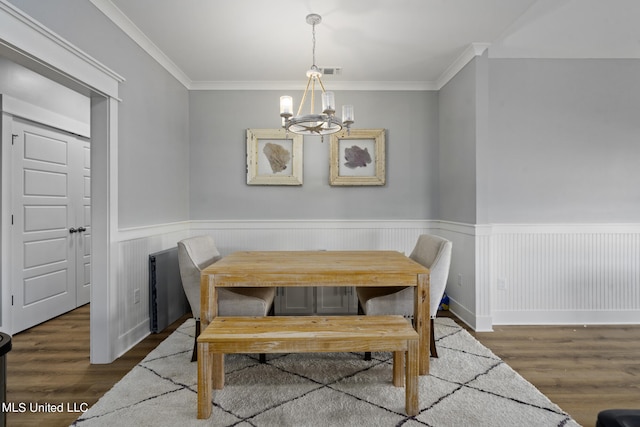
<point>398,368</point>
<point>204,381</point>
<point>412,366</point>
<point>217,371</point>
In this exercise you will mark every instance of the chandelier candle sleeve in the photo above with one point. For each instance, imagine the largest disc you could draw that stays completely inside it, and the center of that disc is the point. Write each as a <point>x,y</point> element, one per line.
<point>347,114</point>
<point>328,103</point>
<point>286,106</point>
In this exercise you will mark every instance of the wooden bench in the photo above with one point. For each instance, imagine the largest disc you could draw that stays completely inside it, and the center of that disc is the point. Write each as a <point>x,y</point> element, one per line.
<point>306,334</point>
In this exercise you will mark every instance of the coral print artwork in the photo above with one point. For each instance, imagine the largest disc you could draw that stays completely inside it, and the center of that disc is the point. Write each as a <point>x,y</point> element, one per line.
<point>356,157</point>
<point>277,155</point>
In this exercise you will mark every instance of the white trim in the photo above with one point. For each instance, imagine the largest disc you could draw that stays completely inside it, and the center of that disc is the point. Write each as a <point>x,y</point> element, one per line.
<point>132,233</point>
<point>38,114</point>
<point>473,50</point>
<point>5,231</point>
<point>129,339</point>
<point>310,224</point>
<point>569,317</point>
<point>299,85</point>
<point>457,227</point>
<point>569,228</point>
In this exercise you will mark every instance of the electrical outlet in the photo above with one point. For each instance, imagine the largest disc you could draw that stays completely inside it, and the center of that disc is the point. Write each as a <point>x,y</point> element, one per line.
<point>502,284</point>
<point>459,279</point>
<point>136,296</point>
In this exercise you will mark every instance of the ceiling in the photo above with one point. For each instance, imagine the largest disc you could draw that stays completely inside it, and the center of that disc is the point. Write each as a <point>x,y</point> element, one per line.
<point>379,44</point>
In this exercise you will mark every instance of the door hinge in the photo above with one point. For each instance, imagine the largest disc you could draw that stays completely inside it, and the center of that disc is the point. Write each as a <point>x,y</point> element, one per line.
<point>11,299</point>
<point>11,219</point>
<point>13,138</point>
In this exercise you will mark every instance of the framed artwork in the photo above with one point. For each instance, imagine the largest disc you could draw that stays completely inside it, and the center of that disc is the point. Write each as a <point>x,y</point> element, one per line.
<point>358,158</point>
<point>274,157</point>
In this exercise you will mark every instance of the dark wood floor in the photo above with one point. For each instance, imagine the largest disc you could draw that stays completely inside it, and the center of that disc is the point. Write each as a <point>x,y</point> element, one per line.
<point>582,369</point>
<point>49,363</point>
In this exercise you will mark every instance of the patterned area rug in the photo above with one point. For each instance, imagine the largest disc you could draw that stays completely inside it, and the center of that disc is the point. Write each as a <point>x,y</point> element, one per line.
<point>467,386</point>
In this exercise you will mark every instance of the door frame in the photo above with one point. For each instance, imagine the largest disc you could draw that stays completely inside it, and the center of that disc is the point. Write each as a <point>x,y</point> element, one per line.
<point>26,42</point>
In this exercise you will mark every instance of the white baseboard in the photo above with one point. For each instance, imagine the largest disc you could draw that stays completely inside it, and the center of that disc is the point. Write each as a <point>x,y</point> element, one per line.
<point>569,317</point>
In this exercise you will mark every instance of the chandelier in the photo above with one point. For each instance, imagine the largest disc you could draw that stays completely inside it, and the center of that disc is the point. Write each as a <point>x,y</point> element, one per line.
<point>324,123</point>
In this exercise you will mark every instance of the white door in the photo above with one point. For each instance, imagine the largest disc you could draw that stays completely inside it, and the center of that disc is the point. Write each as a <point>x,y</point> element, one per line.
<point>83,221</point>
<point>48,230</point>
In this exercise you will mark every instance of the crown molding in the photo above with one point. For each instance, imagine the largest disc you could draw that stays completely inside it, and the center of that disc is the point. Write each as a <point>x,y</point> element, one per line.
<point>129,28</point>
<point>473,50</point>
<point>298,85</point>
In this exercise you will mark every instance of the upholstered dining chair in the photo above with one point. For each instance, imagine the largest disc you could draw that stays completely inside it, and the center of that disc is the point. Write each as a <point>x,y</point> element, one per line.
<point>197,253</point>
<point>433,252</point>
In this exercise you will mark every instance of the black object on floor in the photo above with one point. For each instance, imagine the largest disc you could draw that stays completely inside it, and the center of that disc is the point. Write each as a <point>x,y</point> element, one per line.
<point>619,418</point>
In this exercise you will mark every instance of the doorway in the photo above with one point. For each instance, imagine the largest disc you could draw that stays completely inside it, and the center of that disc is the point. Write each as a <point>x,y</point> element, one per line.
<point>28,43</point>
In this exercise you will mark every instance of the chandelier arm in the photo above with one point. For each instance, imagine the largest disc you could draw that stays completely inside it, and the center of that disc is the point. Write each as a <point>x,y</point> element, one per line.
<point>321,85</point>
<point>304,96</point>
<point>313,96</point>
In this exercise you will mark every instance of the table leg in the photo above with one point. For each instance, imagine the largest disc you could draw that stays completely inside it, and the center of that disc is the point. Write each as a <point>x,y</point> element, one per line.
<point>208,300</point>
<point>398,368</point>
<point>204,381</point>
<point>421,318</point>
<point>411,390</point>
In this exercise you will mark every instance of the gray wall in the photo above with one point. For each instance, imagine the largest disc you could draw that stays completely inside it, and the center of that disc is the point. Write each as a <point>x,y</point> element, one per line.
<point>153,136</point>
<point>218,123</point>
<point>565,141</point>
<point>457,142</point>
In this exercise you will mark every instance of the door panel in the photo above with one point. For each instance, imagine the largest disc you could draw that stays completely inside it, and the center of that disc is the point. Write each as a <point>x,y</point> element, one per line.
<point>333,299</point>
<point>45,286</point>
<point>294,301</point>
<point>44,183</point>
<point>41,218</point>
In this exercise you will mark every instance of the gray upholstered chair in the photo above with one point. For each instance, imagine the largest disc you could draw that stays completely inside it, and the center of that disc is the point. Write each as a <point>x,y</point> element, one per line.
<point>434,253</point>
<point>197,253</point>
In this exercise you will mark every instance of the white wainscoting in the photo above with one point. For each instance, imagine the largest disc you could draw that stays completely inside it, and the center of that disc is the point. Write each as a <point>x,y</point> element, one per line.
<point>500,274</point>
<point>134,247</point>
<point>560,274</point>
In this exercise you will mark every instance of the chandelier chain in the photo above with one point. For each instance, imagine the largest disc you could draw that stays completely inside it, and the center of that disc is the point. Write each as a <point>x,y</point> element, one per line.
<point>313,37</point>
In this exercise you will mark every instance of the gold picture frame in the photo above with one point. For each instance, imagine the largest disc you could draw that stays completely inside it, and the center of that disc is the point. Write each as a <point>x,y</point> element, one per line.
<point>358,158</point>
<point>274,157</point>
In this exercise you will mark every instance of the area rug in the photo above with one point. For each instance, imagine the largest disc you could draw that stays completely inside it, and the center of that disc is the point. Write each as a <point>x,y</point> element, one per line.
<point>467,386</point>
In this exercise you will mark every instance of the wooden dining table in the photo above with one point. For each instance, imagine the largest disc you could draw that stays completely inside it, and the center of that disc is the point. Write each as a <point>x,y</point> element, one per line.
<point>320,268</point>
